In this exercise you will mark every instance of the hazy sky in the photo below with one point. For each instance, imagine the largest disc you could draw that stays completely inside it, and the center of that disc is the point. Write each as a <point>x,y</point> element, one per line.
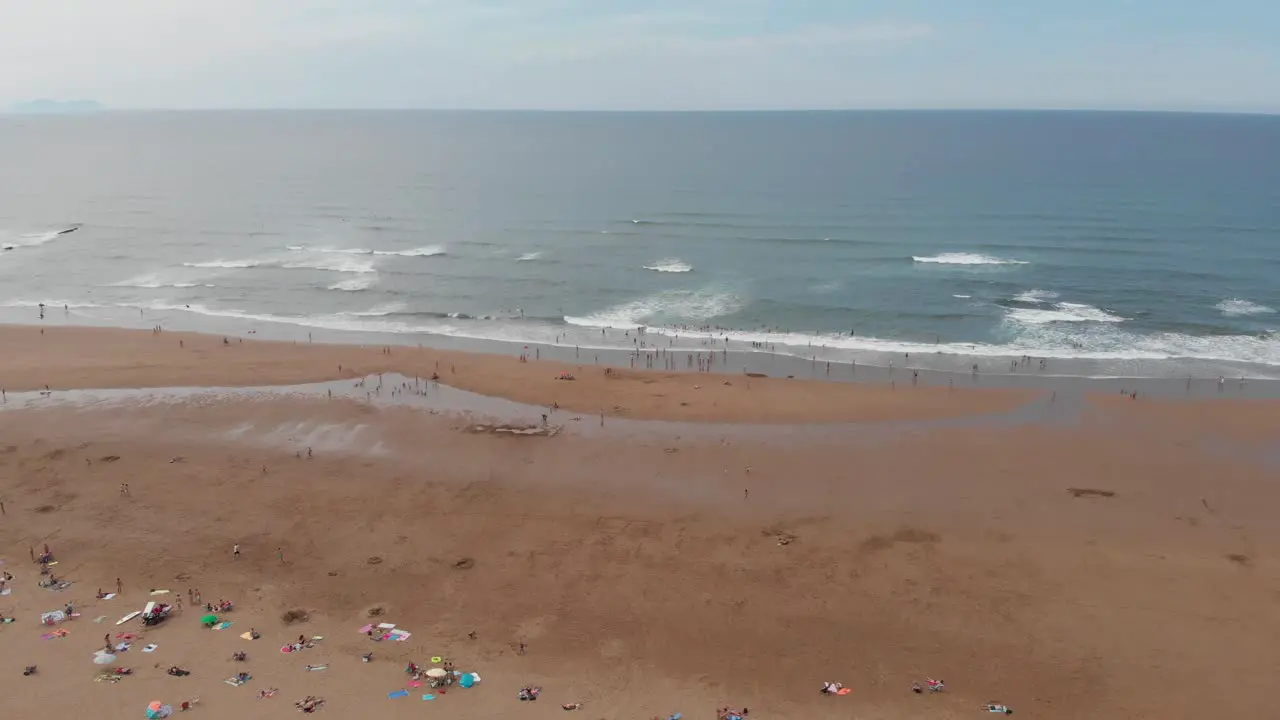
<point>644,54</point>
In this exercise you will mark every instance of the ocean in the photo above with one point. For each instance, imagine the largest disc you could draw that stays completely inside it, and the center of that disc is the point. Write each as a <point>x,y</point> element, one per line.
<point>1111,244</point>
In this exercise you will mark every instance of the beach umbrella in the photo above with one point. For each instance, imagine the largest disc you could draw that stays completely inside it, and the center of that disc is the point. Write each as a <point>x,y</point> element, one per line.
<point>104,659</point>
<point>437,673</point>
<point>209,619</point>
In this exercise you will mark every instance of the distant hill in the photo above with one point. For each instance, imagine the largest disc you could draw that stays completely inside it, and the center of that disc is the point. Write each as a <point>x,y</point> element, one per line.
<point>56,106</point>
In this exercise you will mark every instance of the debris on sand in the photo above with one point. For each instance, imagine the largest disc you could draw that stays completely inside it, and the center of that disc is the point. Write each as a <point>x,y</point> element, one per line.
<point>296,615</point>
<point>1090,492</point>
<point>531,430</point>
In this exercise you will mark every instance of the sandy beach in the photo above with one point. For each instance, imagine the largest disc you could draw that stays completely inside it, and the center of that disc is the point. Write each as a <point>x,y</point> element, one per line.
<point>681,542</point>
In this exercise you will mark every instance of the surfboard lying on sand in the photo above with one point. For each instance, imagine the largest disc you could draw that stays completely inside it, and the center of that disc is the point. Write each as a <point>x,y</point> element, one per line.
<point>129,617</point>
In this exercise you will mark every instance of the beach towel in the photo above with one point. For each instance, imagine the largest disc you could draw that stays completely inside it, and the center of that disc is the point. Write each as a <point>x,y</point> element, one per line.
<point>843,691</point>
<point>6,591</point>
<point>317,668</point>
<point>108,596</point>
<point>159,592</point>
<point>233,681</point>
<point>365,630</point>
<point>123,647</point>
<point>150,648</point>
<point>399,635</point>
<point>223,625</point>
<point>386,626</point>
<point>126,636</point>
<point>397,694</point>
<point>246,635</point>
<point>415,684</point>
<point>428,697</point>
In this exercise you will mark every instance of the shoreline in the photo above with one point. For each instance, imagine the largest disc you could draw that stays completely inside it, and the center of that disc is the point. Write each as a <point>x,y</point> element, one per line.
<point>894,370</point>
<point>102,358</point>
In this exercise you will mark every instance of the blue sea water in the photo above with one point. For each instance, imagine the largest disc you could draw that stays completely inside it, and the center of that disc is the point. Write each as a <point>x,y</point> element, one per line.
<point>1111,243</point>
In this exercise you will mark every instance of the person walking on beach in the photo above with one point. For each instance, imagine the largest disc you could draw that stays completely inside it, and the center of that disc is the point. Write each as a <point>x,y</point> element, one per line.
<point>119,586</point>
<point>235,550</point>
<point>280,554</point>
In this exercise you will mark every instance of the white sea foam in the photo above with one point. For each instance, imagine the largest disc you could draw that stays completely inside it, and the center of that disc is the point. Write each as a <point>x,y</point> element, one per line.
<point>529,256</point>
<point>965,259</point>
<point>670,306</point>
<point>426,251</point>
<point>1061,312</point>
<point>671,265</point>
<point>1235,307</point>
<point>962,297</point>
<point>1069,340</point>
<point>1064,340</point>
<point>340,263</point>
<point>356,284</point>
<point>225,264</point>
<point>340,251</point>
<point>1035,296</point>
<point>158,280</point>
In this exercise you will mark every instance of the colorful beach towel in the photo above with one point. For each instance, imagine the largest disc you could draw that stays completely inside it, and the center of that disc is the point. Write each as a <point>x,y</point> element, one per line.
<point>397,694</point>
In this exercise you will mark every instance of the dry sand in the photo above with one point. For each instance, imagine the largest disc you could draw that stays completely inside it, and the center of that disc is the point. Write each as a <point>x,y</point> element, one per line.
<point>643,570</point>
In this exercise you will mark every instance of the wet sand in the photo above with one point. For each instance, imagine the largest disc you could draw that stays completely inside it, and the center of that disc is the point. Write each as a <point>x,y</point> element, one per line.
<point>117,358</point>
<point>952,534</point>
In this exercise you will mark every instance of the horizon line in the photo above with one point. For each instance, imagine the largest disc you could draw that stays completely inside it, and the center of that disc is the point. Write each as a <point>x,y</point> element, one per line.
<point>16,109</point>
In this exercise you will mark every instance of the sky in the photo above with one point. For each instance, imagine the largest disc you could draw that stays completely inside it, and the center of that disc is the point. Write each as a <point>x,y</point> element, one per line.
<point>645,54</point>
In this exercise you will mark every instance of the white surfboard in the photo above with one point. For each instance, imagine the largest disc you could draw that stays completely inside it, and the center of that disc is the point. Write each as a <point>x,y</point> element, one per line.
<point>129,617</point>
